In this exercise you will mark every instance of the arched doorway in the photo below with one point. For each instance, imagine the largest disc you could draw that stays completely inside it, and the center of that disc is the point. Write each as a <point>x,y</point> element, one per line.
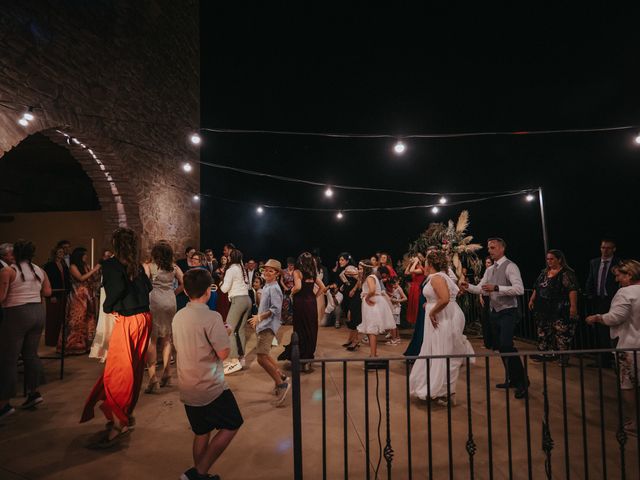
<point>58,186</point>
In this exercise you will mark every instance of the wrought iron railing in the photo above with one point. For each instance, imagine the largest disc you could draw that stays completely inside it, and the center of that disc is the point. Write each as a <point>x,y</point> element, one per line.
<point>571,424</point>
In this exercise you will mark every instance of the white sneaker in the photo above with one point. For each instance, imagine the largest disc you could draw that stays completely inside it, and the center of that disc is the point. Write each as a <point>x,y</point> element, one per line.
<point>365,339</point>
<point>393,341</point>
<point>232,368</point>
<point>388,335</point>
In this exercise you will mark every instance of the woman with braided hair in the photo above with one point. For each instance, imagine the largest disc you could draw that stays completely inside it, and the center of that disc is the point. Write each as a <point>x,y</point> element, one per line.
<point>22,286</point>
<point>127,290</point>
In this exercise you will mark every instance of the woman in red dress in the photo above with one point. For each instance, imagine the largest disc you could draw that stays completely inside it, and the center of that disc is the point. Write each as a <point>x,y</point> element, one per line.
<point>416,270</point>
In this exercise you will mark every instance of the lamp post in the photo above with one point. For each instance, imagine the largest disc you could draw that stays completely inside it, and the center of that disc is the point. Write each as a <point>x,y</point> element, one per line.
<point>545,237</point>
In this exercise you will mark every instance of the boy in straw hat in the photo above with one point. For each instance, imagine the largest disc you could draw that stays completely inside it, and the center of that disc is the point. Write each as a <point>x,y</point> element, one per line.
<point>267,322</point>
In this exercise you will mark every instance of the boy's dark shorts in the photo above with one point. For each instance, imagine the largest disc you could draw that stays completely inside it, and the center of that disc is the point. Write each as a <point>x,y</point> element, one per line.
<point>221,414</point>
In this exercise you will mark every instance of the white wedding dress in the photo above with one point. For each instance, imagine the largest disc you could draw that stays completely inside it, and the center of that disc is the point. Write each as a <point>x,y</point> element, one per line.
<point>447,339</point>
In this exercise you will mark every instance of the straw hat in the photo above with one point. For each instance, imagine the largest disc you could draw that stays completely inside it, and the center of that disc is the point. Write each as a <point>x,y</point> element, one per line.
<point>273,264</point>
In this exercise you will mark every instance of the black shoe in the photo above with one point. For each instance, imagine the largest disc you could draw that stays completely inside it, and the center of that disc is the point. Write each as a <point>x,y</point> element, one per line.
<point>32,400</point>
<point>192,474</point>
<point>505,385</point>
<point>521,392</point>
<point>345,345</point>
<point>6,411</point>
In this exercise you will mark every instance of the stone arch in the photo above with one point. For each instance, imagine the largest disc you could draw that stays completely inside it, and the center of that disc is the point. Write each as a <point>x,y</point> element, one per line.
<point>104,168</point>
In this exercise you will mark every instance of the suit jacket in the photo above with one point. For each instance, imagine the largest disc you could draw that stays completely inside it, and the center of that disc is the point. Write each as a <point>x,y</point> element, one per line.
<point>610,285</point>
<point>211,267</point>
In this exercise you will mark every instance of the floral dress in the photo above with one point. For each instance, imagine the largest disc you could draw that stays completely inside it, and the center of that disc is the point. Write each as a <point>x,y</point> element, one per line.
<point>81,318</point>
<point>287,304</point>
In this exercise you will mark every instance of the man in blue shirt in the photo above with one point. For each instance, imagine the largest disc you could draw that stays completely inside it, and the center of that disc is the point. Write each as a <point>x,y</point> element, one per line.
<point>267,322</point>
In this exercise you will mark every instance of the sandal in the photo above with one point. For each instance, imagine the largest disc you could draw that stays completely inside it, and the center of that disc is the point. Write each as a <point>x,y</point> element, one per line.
<point>105,442</point>
<point>152,387</point>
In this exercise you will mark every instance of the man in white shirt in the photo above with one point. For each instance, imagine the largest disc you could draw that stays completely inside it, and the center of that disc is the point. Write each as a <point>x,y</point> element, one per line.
<point>503,283</point>
<point>251,270</point>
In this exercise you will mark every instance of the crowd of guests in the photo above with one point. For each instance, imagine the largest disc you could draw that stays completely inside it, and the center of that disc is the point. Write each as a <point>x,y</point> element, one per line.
<point>196,311</point>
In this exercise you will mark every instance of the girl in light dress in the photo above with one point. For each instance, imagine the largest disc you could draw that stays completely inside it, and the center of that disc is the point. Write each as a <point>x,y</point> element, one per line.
<point>164,274</point>
<point>377,317</point>
<point>443,335</point>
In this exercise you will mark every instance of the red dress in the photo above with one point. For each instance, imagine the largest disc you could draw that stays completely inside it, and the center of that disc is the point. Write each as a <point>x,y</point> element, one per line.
<point>414,297</point>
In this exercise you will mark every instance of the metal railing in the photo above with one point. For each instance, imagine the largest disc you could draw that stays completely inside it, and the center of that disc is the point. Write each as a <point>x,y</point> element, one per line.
<point>571,423</point>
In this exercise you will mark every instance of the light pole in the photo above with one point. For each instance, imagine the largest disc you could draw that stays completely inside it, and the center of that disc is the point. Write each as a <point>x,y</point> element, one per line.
<point>545,237</point>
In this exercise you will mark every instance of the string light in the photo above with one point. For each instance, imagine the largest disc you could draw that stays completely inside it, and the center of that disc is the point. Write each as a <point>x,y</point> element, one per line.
<point>339,215</point>
<point>196,198</point>
<point>435,210</point>
<point>399,147</point>
<point>195,139</point>
<point>530,197</point>
<point>187,167</point>
<point>442,200</point>
<point>260,210</point>
<point>328,192</point>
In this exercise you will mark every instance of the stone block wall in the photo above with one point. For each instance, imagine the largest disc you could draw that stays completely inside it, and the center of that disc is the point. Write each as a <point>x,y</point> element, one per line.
<point>123,78</point>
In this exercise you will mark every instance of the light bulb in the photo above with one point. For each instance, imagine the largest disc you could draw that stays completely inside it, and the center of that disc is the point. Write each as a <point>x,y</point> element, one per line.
<point>75,140</point>
<point>28,116</point>
<point>442,200</point>
<point>399,148</point>
<point>260,210</point>
<point>195,139</point>
<point>196,198</point>
<point>328,192</point>
<point>435,210</point>
<point>187,167</point>
<point>339,215</point>
<point>530,197</point>
<point>637,139</point>
<point>23,122</point>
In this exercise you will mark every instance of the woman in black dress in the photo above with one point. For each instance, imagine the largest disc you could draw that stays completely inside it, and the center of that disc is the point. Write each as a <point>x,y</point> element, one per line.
<point>554,303</point>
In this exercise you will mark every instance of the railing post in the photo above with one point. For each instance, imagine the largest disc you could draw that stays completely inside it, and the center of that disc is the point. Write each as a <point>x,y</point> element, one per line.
<point>296,408</point>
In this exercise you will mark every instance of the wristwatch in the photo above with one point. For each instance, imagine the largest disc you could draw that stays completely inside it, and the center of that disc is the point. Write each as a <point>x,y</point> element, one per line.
<point>496,288</point>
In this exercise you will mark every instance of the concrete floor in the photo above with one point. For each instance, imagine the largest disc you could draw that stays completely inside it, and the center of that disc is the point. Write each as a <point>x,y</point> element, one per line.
<point>49,443</point>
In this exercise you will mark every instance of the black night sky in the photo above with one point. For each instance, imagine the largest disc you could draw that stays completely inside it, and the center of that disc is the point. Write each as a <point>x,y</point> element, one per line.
<point>389,71</point>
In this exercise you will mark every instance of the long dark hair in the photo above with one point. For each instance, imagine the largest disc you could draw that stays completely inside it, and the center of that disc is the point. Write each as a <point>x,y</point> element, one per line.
<point>162,255</point>
<point>23,251</point>
<point>235,257</point>
<point>307,266</point>
<point>125,249</point>
<point>559,254</point>
<point>76,259</point>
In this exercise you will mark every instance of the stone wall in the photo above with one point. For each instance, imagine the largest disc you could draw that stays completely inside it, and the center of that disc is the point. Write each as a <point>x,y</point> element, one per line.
<point>122,78</point>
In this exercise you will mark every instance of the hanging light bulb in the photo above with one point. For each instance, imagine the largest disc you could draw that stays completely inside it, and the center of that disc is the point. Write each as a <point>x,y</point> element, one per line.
<point>637,139</point>
<point>530,197</point>
<point>195,139</point>
<point>187,167</point>
<point>339,215</point>
<point>196,198</point>
<point>442,200</point>
<point>328,192</point>
<point>399,147</point>
<point>260,210</point>
<point>435,210</point>
<point>24,122</point>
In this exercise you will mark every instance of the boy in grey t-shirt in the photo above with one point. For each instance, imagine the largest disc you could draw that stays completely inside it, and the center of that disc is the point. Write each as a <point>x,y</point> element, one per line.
<point>267,322</point>
<point>202,343</point>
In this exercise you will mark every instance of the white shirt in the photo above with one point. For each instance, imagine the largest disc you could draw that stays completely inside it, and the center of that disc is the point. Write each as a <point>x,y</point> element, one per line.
<point>624,317</point>
<point>234,283</point>
<point>513,274</point>
<point>24,291</point>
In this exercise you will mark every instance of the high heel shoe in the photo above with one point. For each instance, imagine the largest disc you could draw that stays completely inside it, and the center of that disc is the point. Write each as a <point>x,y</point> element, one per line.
<point>345,345</point>
<point>353,348</point>
<point>152,387</point>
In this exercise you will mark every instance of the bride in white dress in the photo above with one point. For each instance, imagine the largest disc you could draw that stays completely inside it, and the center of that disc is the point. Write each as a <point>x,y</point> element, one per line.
<point>443,334</point>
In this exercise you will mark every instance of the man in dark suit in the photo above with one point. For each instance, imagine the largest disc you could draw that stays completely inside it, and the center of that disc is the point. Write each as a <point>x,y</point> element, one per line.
<point>210,261</point>
<point>252,270</point>
<point>600,289</point>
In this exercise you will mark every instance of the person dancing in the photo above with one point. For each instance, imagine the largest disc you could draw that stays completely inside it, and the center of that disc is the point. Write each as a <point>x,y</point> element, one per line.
<point>377,317</point>
<point>127,290</point>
